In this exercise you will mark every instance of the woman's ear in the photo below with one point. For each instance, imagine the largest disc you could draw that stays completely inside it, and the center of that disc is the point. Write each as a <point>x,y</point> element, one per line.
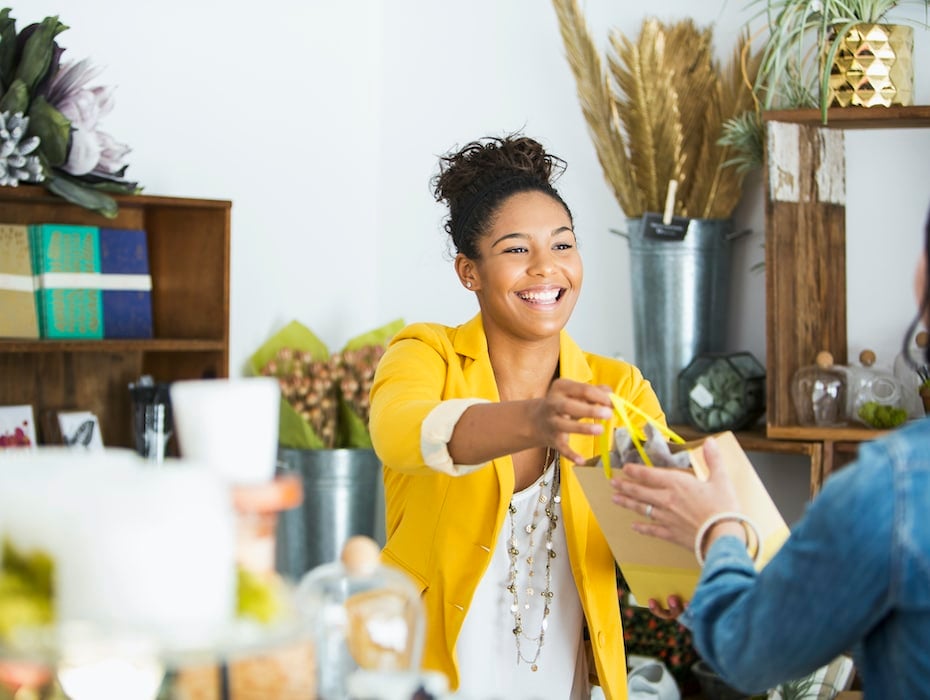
<point>465,269</point>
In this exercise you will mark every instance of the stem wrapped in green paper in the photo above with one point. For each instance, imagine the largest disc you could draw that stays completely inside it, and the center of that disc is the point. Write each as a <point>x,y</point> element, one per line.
<point>324,397</point>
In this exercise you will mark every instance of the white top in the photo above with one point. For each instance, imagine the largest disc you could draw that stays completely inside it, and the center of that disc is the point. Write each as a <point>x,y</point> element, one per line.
<point>486,648</point>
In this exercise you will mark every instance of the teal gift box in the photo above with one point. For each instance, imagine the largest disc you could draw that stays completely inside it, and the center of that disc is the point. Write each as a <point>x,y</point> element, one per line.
<point>66,263</point>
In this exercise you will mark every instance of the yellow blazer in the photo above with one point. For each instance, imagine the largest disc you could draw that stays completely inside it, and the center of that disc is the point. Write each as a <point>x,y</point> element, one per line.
<point>440,528</point>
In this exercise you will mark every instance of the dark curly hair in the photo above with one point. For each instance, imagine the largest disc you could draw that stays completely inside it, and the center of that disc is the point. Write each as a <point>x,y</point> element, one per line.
<point>922,308</point>
<point>477,178</point>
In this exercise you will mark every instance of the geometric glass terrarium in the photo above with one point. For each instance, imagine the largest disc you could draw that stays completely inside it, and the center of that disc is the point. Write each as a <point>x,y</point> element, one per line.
<point>722,391</point>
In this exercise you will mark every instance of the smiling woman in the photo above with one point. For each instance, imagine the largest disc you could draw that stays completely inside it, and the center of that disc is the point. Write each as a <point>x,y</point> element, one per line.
<point>478,427</point>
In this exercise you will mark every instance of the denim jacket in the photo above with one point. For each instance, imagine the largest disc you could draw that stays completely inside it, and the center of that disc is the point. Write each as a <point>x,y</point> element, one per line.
<point>854,577</point>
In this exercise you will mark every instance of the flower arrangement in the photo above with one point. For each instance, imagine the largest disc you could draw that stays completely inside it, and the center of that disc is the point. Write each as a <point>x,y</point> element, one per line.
<point>324,396</point>
<point>656,114</point>
<point>50,118</point>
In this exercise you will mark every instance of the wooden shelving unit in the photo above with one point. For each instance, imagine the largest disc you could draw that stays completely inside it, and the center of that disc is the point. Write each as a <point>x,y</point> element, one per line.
<point>805,256</point>
<point>189,259</point>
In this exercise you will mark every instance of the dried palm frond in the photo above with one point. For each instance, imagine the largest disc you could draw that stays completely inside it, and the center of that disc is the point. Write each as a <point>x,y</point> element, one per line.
<point>659,114</point>
<point>598,106</point>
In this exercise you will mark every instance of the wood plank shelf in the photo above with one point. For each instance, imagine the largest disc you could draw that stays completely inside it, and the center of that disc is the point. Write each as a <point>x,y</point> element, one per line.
<point>805,258</point>
<point>896,117</point>
<point>149,345</point>
<point>756,440</point>
<point>189,255</point>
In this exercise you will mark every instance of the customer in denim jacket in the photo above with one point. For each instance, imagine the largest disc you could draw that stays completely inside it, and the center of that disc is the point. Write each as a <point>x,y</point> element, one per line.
<point>853,576</point>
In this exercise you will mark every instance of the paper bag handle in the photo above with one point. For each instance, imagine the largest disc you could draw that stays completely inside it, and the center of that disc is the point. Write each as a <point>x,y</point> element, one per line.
<point>622,409</point>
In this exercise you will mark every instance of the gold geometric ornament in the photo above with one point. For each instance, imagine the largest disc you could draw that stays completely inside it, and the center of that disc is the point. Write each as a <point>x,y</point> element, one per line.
<point>874,66</point>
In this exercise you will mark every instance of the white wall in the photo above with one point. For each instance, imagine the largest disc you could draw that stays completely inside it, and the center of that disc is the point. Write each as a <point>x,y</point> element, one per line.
<point>322,121</point>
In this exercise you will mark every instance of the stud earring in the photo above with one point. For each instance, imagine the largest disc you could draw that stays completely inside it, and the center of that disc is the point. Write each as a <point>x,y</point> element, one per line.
<point>468,284</point>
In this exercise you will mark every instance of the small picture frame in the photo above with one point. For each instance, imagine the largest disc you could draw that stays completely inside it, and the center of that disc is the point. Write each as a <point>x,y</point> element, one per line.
<point>17,426</point>
<point>80,429</point>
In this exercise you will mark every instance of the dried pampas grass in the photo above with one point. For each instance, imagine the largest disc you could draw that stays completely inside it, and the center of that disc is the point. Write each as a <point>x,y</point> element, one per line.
<point>657,113</point>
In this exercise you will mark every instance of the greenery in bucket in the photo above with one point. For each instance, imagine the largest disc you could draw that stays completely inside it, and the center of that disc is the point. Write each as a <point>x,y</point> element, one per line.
<point>324,396</point>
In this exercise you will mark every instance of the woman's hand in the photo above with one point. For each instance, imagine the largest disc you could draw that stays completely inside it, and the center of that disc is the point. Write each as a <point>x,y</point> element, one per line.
<point>571,407</point>
<point>674,502</point>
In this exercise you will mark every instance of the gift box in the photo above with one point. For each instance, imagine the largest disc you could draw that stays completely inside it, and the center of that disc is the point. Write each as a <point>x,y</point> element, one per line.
<point>18,318</point>
<point>125,282</point>
<point>654,568</point>
<point>66,264</point>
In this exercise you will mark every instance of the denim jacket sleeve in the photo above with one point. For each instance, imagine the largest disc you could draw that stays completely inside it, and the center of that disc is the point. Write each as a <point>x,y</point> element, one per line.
<point>828,583</point>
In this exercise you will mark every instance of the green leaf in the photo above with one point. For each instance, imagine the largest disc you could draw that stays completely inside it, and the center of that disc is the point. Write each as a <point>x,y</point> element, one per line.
<point>38,52</point>
<point>7,47</point>
<point>354,430</point>
<point>83,196</point>
<point>295,432</point>
<point>53,130</point>
<point>16,99</point>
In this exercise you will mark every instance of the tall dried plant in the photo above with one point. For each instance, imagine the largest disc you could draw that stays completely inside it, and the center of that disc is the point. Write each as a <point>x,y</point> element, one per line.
<point>657,113</point>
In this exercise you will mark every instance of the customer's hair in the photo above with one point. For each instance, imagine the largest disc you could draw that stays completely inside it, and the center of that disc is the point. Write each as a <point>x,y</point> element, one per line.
<point>924,304</point>
<point>476,179</point>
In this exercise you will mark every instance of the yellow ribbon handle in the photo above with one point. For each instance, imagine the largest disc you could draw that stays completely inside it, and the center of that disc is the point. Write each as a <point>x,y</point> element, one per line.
<point>623,410</point>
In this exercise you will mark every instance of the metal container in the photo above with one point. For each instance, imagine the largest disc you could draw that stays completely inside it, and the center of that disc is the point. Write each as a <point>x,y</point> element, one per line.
<point>680,301</point>
<point>343,496</point>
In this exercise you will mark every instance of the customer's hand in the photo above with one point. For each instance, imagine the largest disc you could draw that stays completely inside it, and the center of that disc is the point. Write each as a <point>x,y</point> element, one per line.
<point>674,609</point>
<point>674,502</point>
<point>572,407</point>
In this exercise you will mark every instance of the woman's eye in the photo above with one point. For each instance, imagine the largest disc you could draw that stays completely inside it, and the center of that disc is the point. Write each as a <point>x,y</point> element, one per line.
<point>516,249</point>
<point>564,246</point>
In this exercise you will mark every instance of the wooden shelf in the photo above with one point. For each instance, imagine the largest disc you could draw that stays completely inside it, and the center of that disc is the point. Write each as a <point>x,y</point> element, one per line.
<point>153,345</point>
<point>839,434</point>
<point>189,257</point>
<point>805,257</point>
<point>756,439</point>
<point>897,117</point>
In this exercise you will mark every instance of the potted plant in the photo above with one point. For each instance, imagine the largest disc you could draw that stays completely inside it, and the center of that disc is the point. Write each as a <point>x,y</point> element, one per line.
<point>822,54</point>
<point>323,436</point>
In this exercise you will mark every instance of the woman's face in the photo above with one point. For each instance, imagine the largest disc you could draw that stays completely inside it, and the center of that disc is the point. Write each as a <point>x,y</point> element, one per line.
<point>528,274</point>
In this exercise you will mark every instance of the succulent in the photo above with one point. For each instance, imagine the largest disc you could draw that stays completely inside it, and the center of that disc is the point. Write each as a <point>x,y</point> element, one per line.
<point>17,161</point>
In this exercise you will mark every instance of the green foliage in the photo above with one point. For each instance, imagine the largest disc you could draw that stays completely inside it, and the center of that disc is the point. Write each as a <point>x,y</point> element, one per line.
<point>881,416</point>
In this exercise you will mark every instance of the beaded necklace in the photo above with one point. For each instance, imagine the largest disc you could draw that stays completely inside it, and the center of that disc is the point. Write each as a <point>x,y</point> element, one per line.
<point>548,500</point>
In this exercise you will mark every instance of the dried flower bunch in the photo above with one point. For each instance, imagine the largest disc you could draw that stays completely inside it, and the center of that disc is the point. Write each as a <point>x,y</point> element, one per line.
<point>50,131</point>
<point>658,114</point>
<point>318,389</point>
<point>324,396</point>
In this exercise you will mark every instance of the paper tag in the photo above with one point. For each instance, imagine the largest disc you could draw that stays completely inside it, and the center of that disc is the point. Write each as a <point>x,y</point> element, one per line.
<point>675,230</point>
<point>701,396</point>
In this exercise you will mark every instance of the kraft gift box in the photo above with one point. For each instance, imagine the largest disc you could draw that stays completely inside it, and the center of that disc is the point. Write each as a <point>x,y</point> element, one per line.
<point>66,263</point>
<point>126,284</point>
<point>18,317</point>
<point>657,569</point>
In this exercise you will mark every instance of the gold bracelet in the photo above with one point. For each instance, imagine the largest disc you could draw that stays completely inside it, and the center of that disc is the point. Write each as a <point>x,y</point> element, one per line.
<point>746,522</point>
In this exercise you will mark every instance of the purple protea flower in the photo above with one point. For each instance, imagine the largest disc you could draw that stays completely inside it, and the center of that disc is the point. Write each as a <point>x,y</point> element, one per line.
<point>91,150</point>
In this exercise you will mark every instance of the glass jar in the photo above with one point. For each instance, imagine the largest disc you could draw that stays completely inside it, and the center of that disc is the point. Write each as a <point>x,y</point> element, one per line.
<point>874,397</point>
<point>366,617</point>
<point>818,392</point>
<point>912,370</point>
<point>722,391</point>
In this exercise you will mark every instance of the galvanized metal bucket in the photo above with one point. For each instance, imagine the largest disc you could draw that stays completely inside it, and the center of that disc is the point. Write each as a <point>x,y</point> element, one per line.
<point>343,496</point>
<point>680,301</point>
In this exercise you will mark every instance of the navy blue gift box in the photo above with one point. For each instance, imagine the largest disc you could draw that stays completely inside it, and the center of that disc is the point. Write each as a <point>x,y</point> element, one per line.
<point>126,283</point>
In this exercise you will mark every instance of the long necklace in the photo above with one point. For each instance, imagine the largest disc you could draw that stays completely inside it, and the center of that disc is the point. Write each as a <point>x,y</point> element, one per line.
<point>549,501</point>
